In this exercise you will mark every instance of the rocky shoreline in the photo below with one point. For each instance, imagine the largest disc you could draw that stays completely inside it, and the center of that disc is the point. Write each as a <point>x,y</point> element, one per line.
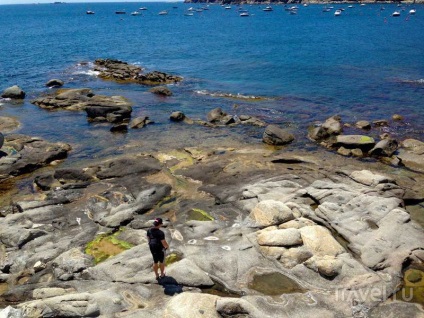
<point>255,231</point>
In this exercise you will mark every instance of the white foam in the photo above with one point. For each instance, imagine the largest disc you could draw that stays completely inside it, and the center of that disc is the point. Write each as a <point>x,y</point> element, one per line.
<point>211,238</point>
<point>86,72</point>
<point>192,242</point>
<point>226,247</point>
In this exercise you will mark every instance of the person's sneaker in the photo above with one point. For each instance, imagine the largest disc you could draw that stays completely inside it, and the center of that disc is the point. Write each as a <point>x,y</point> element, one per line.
<point>162,275</point>
<point>157,277</point>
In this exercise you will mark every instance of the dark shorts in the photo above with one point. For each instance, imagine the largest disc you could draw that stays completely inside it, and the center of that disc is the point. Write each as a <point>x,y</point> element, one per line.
<point>158,255</point>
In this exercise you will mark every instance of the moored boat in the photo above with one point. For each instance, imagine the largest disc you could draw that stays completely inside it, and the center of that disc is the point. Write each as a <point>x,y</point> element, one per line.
<point>164,12</point>
<point>89,12</point>
<point>120,12</point>
<point>412,11</point>
<point>268,8</point>
<point>337,12</point>
<point>396,14</point>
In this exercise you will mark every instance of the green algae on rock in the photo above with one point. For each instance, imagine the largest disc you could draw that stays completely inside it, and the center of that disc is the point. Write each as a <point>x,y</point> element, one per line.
<point>199,215</point>
<point>105,246</point>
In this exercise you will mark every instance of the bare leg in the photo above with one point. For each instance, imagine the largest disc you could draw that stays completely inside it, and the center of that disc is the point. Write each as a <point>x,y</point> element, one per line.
<point>155,268</point>
<point>162,269</point>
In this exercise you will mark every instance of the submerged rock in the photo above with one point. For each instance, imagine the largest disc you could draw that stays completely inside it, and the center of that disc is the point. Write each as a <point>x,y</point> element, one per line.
<point>55,83</point>
<point>161,90</point>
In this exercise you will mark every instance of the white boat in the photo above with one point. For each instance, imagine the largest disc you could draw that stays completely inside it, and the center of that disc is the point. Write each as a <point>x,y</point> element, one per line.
<point>305,4</point>
<point>189,14</point>
<point>228,7</point>
<point>337,12</point>
<point>412,11</point>
<point>244,14</point>
<point>350,6</point>
<point>190,9</point>
<point>164,12</point>
<point>142,8</point>
<point>89,12</point>
<point>135,13</point>
<point>268,8</point>
<point>396,14</point>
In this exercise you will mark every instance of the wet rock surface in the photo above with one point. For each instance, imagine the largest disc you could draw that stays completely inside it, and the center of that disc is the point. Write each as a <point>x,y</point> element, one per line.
<point>123,72</point>
<point>239,222</point>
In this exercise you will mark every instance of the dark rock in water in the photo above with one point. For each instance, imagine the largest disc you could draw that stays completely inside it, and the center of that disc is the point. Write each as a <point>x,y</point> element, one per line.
<point>44,182</point>
<point>140,122</point>
<point>157,78</point>
<point>123,72</point>
<point>1,139</point>
<point>250,120</point>
<point>55,83</point>
<point>177,116</point>
<point>119,128</point>
<point>381,123</point>
<point>215,115</point>
<point>385,147</point>
<point>116,70</point>
<point>14,92</point>
<point>363,124</point>
<point>98,107</point>
<point>332,126</point>
<point>397,117</point>
<point>161,90</point>
<point>274,135</point>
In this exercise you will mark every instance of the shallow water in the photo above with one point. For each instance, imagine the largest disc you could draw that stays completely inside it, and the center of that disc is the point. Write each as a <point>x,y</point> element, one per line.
<point>362,65</point>
<point>274,284</point>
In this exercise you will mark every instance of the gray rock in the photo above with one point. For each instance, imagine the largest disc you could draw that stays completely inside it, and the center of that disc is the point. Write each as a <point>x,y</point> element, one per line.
<point>355,141</point>
<point>42,293</point>
<point>320,241</point>
<point>1,139</point>
<point>192,305</point>
<point>140,122</point>
<point>177,116</point>
<point>344,152</point>
<point>274,135</point>
<point>123,127</point>
<point>8,124</point>
<point>271,212</point>
<point>216,115</point>
<point>10,312</point>
<point>161,90</point>
<point>285,237</point>
<point>385,147</point>
<point>70,263</point>
<point>55,83</point>
<point>124,166</point>
<point>381,123</point>
<point>14,92</point>
<point>187,273</point>
<point>73,305</point>
<point>363,124</point>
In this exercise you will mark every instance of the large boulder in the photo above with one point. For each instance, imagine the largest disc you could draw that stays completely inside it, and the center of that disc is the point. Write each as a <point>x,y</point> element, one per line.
<point>284,237</point>
<point>177,116</point>
<point>14,92</point>
<point>274,135</point>
<point>271,212</point>
<point>215,115</point>
<point>412,154</point>
<point>332,126</point>
<point>1,140</point>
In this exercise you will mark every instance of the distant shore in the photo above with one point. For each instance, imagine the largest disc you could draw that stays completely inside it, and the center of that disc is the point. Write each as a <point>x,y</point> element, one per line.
<point>304,2</point>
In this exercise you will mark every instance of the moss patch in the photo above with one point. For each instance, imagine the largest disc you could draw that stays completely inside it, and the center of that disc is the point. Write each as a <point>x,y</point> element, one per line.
<point>413,287</point>
<point>172,258</point>
<point>199,215</point>
<point>105,246</point>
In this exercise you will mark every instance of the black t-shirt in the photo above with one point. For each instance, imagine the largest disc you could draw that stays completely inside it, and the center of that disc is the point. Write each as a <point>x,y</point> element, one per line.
<point>155,238</point>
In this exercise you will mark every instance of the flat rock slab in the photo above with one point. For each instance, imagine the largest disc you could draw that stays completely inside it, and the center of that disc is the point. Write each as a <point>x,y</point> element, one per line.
<point>355,141</point>
<point>98,107</point>
<point>25,154</point>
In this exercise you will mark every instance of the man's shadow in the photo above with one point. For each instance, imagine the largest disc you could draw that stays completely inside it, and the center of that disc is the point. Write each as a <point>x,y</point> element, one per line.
<point>170,285</point>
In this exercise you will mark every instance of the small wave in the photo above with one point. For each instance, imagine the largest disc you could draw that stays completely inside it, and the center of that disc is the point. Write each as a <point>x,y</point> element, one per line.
<point>86,72</point>
<point>229,95</point>
<point>418,81</point>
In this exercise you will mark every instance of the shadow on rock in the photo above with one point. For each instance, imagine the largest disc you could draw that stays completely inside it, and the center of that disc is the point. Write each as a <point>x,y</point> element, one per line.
<point>170,286</point>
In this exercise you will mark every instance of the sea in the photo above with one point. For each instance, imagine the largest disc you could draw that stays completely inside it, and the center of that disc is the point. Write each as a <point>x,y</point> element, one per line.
<point>292,70</point>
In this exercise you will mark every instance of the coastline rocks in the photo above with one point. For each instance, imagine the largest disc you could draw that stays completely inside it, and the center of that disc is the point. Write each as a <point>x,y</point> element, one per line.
<point>281,237</point>
<point>55,83</point>
<point>177,116</point>
<point>332,126</point>
<point>161,90</point>
<point>274,135</point>
<point>251,120</point>
<point>140,122</point>
<point>123,72</point>
<point>385,147</point>
<point>412,154</point>
<point>364,143</point>
<point>116,70</point>
<point>270,212</point>
<point>114,109</point>
<point>1,140</point>
<point>363,124</point>
<point>14,92</point>
<point>26,154</point>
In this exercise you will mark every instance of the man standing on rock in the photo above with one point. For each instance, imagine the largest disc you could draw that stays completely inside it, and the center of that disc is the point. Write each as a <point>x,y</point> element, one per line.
<point>158,246</point>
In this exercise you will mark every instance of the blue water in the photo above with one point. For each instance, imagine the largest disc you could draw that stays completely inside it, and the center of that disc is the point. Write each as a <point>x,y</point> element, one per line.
<point>364,64</point>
